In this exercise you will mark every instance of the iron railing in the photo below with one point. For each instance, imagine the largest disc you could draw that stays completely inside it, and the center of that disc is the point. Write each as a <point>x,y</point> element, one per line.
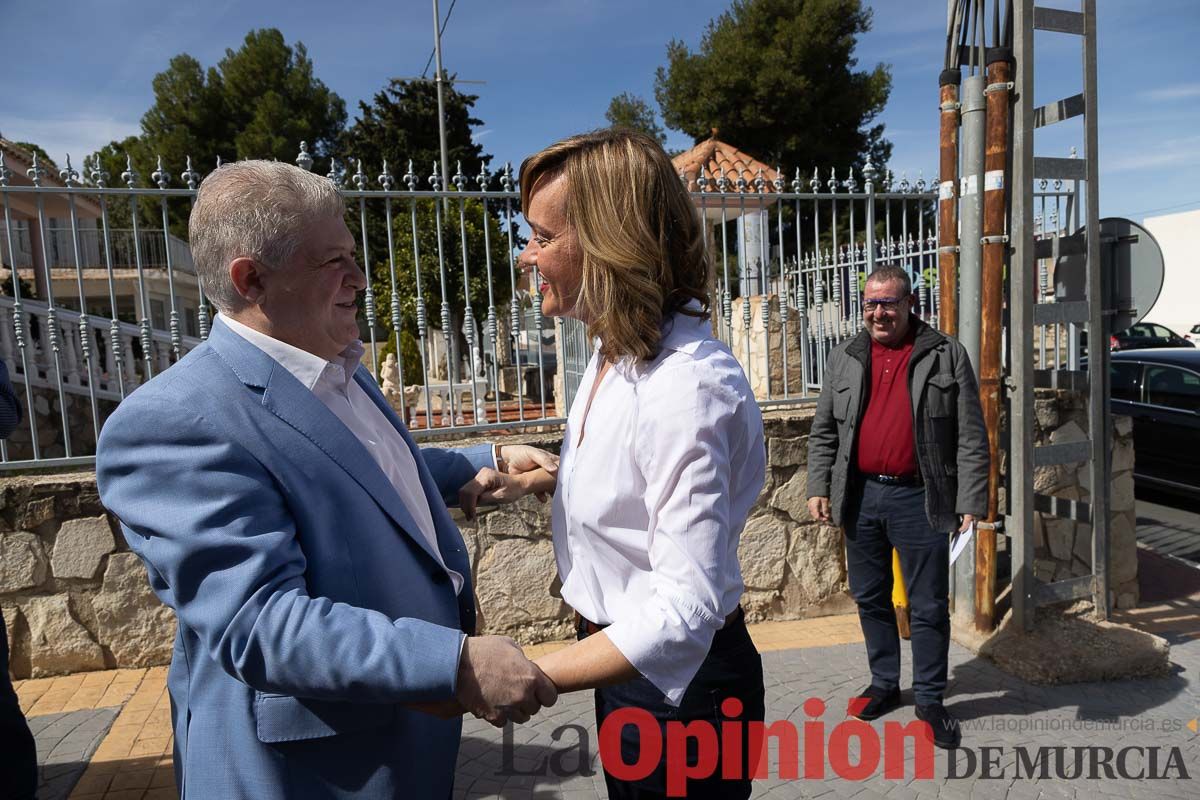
<point>472,348</point>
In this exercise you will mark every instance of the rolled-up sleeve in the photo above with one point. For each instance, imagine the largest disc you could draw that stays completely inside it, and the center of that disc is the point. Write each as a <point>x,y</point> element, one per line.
<point>693,428</point>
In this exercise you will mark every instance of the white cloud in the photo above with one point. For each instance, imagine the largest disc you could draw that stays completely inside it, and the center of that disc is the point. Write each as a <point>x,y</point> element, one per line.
<point>1181,152</point>
<point>1180,91</point>
<point>79,135</point>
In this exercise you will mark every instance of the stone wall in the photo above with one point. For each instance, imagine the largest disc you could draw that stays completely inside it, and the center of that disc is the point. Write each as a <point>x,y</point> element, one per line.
<point>1063,547</point>
<point>76,599</point>
<point>73,595</point>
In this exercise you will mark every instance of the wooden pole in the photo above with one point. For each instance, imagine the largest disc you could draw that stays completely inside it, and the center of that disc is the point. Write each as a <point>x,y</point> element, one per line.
<point>948,203</point>
<point>995,249</point>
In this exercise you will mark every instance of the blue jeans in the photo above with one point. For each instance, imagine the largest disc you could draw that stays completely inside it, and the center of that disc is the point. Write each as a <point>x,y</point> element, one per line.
<point>18,755</point>
<point>732,668</point>
<point>880,518</point>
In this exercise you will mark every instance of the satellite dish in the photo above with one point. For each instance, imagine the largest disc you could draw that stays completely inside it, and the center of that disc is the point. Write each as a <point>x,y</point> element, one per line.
<point>1131,265</point>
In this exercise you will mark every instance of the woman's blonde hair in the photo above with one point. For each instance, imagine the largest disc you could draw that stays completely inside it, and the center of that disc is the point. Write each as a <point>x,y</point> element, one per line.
<point>641,236</point>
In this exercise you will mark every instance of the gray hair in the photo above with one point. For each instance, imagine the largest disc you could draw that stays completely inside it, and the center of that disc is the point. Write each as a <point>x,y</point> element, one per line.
<point>892,273</point>
<point>258,210</point>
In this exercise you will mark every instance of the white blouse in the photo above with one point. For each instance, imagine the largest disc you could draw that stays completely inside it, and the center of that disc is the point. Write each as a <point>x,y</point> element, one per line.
<point>649,508</point>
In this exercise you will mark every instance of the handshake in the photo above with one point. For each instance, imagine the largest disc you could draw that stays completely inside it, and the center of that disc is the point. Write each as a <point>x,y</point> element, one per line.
<point>496,682</point>
<point>520,470</point>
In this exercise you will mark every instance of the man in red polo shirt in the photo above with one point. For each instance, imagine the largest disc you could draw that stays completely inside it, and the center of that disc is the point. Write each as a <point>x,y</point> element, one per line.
<point>898,455</point>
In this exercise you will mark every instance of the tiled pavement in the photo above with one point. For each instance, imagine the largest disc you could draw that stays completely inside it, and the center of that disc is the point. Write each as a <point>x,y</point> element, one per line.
<point>821,658</point>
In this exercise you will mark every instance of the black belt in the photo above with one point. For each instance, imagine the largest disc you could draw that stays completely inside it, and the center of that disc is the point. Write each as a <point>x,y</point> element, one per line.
<point>585,626</point>
<point>894,480</point>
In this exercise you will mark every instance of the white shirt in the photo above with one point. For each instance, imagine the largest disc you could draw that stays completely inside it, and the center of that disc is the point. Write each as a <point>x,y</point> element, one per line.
<point>333,384</point>
<point>649,508</point>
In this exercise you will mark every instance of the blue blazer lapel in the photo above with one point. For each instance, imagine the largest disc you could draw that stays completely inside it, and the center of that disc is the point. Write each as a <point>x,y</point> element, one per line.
<point>437,507</point>
<point>288,399</point>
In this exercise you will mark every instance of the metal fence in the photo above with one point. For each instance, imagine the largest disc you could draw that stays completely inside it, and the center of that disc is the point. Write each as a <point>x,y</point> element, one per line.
<point>455,336</point>
<point>820,239</point>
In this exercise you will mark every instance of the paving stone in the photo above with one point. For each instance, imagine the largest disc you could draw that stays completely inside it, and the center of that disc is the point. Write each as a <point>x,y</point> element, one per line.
<point>65,743</point>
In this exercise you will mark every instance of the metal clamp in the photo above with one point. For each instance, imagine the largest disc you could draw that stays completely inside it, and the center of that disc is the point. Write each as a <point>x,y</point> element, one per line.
<point>953,105</point>
<point>999,87</point>
<point>948,248</point>
<point>1001,239</point>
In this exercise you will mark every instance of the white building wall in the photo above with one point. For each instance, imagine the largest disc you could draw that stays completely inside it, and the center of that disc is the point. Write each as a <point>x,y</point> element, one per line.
<point>1178,305</point>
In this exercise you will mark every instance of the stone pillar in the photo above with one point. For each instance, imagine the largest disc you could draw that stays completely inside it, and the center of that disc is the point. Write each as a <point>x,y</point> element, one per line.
<point>750,251</point>
<point>762,347</point>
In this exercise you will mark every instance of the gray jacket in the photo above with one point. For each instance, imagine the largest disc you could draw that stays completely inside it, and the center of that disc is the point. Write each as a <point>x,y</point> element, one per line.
<point>951,440</point>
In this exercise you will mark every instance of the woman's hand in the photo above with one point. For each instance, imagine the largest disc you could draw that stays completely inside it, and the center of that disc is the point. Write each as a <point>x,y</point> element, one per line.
<point>519,458</point>
<point>497,488</point>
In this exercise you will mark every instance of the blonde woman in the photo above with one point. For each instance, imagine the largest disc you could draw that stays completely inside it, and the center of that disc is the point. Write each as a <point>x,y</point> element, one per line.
<point>662,457</point>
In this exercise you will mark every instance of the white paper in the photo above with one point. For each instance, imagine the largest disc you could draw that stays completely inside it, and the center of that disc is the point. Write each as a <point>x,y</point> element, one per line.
<point>960,541</point>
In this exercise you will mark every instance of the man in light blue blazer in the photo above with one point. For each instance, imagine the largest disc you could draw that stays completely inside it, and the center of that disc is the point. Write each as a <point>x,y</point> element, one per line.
<point>282,510</point>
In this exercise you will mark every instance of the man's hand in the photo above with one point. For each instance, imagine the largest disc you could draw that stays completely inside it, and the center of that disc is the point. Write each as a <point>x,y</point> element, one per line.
<point>818,508</point>
<point>491,487</point>
<point>517,458</point>
<point>967,519</point>
<point>496,681</point>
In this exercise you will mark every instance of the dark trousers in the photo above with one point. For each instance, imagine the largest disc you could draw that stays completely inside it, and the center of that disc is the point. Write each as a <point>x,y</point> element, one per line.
<point>18,755</point>
<point>732,669</point>
<point>880,518</point>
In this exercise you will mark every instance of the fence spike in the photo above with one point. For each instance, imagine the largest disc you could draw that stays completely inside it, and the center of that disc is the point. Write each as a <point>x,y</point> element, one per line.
<point>160,175</point>
<point>68,174</point>
<point>35,171</point>
<point>130,175</point>
<point>190,176</point>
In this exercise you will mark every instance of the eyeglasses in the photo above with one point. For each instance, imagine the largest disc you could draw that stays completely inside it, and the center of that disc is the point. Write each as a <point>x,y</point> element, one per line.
<point>883,303</point>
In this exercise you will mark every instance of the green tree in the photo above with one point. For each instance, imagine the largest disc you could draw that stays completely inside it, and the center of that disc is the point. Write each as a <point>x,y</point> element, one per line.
<point>259,101</point>
<point>399,127</point>
<point>453,233</point>
<point>778,79</point>
<point>631,111</point>
<point>400,124</point>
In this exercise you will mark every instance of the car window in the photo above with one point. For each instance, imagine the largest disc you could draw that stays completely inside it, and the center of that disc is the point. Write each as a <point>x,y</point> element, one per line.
<point>1173,388</point>
<point>1125,385</point>
<point>1161,332</point>
<point>1196,329</point>
<point>1139,332</point>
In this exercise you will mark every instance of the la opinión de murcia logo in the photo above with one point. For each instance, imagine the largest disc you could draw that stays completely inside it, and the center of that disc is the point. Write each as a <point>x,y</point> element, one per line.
<point>693,751</point>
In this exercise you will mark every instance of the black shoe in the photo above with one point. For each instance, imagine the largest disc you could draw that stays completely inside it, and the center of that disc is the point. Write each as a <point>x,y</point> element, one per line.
<point>873,703</point>
<point>946,731</point>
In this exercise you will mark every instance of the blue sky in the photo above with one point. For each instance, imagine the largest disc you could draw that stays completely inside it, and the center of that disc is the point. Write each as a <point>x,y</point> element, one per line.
<point>77,80</point>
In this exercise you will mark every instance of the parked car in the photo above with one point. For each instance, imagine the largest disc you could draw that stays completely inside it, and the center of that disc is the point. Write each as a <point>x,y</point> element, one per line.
<point>1193,335</point>
<point>1146,335</point>
<point>1160,390</point>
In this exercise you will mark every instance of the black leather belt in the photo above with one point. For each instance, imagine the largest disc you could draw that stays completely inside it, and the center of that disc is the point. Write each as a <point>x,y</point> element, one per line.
<point>894,480</point>
<point>585,626</point>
